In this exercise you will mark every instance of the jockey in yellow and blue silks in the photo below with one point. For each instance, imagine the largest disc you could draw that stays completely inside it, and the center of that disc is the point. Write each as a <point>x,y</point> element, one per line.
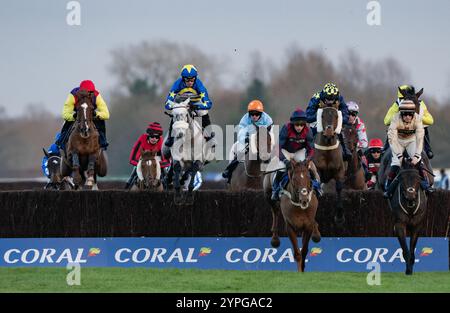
<point>101,114</point>
<point>427,118</point>
<point>329,95</point>
<point>190,83</point>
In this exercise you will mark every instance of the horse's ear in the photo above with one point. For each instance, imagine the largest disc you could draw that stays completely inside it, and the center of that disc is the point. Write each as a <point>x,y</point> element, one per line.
<point>46,153</point>
<point>419,93</point>
<point>269,128</point>
<point>287,154</point>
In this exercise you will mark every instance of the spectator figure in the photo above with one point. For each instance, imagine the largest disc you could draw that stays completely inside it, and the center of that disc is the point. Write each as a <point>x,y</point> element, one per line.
<point>444,182</point>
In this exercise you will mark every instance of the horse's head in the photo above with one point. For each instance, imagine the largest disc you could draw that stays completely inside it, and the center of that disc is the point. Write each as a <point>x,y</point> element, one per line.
<point>54,169</point>
<point>409,183</point>
<point>149,171</point>
<point>350,137</point>
<point>411,95</point>
<point>85,113</point>
<point>261,142</point>
<point>300,179</point>
<point>329,121</point>
<point>181,118</point>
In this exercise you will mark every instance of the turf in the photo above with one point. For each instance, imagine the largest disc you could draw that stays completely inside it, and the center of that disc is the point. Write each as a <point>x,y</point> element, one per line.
<point>192,280</point>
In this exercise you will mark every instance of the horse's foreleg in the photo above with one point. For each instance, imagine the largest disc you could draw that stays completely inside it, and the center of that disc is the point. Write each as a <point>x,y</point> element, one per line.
<point>306,236</point>
<point>293,237</point>
<point>76,169</point>
<point>339,218</point>
<point>400,232</point>
<point>193,172</point>
<point>90,181</point>
<point>275,241</point>
<point>176,182</point>
<point>412,247</point>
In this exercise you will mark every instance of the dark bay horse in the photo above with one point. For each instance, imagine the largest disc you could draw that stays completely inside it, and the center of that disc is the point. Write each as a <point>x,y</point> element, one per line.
<point>149,172</point>
<point>408,205</point>
<point>328,154</point>
<point>57,181</point>
<point>249,173</point>
<point>354,175</point>
<point>298,204</point>
<point>83,157</point>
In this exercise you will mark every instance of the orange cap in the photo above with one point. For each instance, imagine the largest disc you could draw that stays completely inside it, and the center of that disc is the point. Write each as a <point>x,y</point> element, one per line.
<point>255,105</point>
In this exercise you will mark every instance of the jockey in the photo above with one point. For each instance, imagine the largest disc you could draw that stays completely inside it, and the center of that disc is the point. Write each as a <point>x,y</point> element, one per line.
<point>255,115</point>
<point>354,119</point>
<point>151,141</point>
<point>373,157</point>
<point>329,95</point>
<point>427,118</point>
<point>102,114</point>
<point>295,136</point>
<point>189,82</point>
<point>405,132</point>
<point>53,150</point>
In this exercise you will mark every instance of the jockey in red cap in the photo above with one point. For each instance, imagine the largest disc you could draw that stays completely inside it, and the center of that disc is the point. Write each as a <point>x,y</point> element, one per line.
<point>152,141</point>
<point>373,156</point>
<point>101,109</point>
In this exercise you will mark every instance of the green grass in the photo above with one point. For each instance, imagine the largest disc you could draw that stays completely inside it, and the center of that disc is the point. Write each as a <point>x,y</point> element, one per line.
<point>192,280</point>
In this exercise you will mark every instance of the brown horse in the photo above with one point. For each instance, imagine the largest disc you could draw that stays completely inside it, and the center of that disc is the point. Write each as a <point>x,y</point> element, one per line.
<point>148,172</point>
<point>328,155</point>
<point>249,173</point>
<point>84,159</point>
<point>354,176</point>
<point>57,181</point>
<point>298,203</point>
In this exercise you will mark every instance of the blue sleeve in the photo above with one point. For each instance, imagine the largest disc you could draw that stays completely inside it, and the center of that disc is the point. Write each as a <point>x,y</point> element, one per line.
<point>344,109</point>
<point>54,150</point>
<point>204,95</point>
<point>282,138</point>
<point>44,166</point>
<point>173,92</point>
<point>311,110</point>
<point>242,129</point>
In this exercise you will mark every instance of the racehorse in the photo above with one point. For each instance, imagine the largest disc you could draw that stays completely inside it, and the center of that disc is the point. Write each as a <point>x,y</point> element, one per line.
<point>148,172</point>
<point>298,203</point>
<point>83,157</point>
<point>57,181</point>
<point>249,172</point>
<point>354,176</point>
<point>190,150</point>
<point>408,205</point>
<point>328,156</point>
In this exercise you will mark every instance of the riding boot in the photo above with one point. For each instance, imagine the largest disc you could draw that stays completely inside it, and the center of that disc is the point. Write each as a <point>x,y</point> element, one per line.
<point>276,186</point>
<point>101,128</point>
<point>65,133</point>
<point>206,121</point>
<point>317,185</point>
<point>230,168</point>
<point>424,181</point>
<point>132,178</point>
<point>169,141</point>
<point>427,144</point>
<point>389,184</point>
<point>347,155</point>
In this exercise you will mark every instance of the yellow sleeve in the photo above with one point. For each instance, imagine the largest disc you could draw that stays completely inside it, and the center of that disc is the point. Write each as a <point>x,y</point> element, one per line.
<point>427,118</point>
<point>392,110</point>
<point>102,109</point>
<point>69,108</point>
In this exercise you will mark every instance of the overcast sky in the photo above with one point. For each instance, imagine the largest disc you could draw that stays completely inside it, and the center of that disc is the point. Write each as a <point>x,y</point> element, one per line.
<point>42,58</point>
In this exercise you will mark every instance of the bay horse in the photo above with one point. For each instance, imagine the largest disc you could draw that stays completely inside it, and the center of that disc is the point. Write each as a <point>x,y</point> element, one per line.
<point>408,206</point>
<point>249,173</point>
<point>354,176</point>
<point>298,204</point>
<point>83,158</point>
<point>190,150</point>
<point>328,155</point>
<point>148,172</point>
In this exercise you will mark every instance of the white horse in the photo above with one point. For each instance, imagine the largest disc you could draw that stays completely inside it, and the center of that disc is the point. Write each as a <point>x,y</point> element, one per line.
<point>190,149</point>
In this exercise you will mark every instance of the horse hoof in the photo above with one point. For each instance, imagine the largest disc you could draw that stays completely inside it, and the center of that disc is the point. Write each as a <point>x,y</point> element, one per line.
<point>316,238</point>
<point>409,272</point>
<point>275,242</point>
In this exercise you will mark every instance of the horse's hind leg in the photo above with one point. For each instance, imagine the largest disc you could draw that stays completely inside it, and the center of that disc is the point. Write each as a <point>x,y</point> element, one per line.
<point>293,237</point>
<point>275,241</point>
<point>306,236</point>
<point>400,231</point>
<point>339,218</point>
<point>176,182</point>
